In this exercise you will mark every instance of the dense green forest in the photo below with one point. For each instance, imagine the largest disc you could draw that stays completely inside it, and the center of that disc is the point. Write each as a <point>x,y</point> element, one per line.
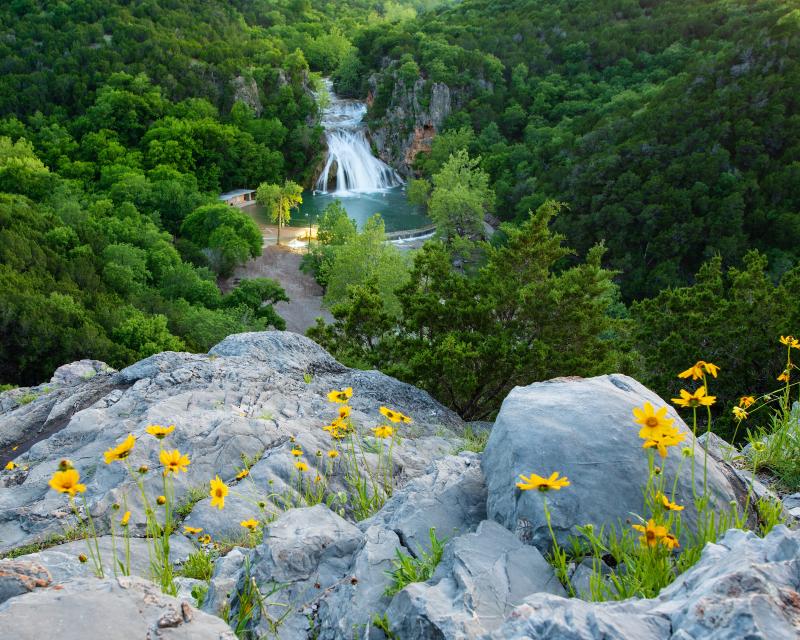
<point>643,158</point>
<point>120,123</point>
<point>670,128</point>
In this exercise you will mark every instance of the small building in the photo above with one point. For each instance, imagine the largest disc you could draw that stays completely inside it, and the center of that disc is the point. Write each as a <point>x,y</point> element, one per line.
<point>239,197</point>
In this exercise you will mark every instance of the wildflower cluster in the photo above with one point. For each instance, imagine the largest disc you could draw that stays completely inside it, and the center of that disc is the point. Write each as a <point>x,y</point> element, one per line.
<point>369,484</point>
<point>66,480</point>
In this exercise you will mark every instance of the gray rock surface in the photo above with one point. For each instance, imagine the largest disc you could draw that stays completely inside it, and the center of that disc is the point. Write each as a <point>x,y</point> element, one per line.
<point>20,576</point>
<point>480,578</point>
<point>742,587</point>
<point>416,112</point>
<point>584,429</point>
<point>63,564</point>
<point>718,448</point>
<point>305,553</point>
<point>346,612</point>
<point>450,497</point>
<point>113,609</point>
<point>223,581</point>
<point>247,397</point>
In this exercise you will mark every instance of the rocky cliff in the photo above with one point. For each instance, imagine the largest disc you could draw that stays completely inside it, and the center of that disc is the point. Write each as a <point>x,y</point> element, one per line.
<point>256,402</point>
<point>405,119</point>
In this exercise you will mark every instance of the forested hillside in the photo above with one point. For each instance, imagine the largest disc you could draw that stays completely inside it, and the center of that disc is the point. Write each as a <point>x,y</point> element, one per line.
<point>670,128</point>
<point>644,155</point>
<point>119,119</point>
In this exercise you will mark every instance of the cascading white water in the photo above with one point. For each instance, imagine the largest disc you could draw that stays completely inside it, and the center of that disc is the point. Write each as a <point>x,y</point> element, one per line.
<point>357,170</point>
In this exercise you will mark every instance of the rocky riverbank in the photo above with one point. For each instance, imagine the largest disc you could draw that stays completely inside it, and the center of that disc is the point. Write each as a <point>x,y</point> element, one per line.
<point>258,402</point>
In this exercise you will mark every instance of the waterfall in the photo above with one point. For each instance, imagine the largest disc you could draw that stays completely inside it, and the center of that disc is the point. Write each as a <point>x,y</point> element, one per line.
<point>357,170</point>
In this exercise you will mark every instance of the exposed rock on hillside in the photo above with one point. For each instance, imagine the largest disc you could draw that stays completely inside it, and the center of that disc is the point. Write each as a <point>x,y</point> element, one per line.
<point>248,396</point>
<point>319,573</point>
<point>114,609</point>
<point>743,587</point>
<point>414,114</point>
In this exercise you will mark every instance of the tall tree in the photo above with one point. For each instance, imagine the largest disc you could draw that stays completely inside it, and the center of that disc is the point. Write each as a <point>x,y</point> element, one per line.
<point>461,197</point>
<point>279,201</point>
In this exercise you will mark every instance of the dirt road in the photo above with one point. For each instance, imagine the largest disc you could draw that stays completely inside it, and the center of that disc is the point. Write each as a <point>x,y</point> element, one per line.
<point>305,295</point>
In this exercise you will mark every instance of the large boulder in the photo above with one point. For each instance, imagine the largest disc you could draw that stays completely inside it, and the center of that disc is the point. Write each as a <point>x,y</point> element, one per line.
<point>584,429</point>
<point>347,611</point>
<point>742,587</point>
<point>479,580</point>
<point>111,609</point>
<point>305,553</point>
<point>247,397</point>
<point>450,498</point>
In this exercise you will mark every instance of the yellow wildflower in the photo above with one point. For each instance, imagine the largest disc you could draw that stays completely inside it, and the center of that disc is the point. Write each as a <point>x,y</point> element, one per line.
<point>125,517</point>
<point>333,453</point>
<point>82,558</point>
<point>670,506</point>
<point>652,533</point>
<point>696,399</point>
<point>542,484</point>
<point>384,431</point>
<point>318,478</point>
<point>204,539</point>
<point>250,524</point>
<point>158,431</point>
<point>653,422</point>
<point>670,541</point>
<point>174,461</point>
<point>344,412</point>
<point>784,377</point>
<point>161,501</point>
<point>301,466</point>
<point>242,474</point>
<point>297,452</point>
<point>790,341</point>
<point>192,530</point>
<point>739,413</point>
<point>218,492</point>
<point>121,451</point>
<point>746,401</point>
<point>667,438</point>
<point>699,369</point>
<point>341,397</point>
<point>67,482</point>
<point>11,465</point>
<point>394,416</point>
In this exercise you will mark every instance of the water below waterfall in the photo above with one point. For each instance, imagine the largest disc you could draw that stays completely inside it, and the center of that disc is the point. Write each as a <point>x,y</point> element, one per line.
<point>361,182</point>
<point>355,169</point>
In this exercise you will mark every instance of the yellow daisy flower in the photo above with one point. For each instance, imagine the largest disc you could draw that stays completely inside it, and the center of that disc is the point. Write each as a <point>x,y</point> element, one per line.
<point>670,506</point>
<point>341,397</point>
<point>384,431</point>
<point>542,484</point>
<point>698,369</point>
<point>158,431</point>
<point>652,422</point>
<point>696,399</point>
<point>218,492</point>
<point>67,482</point>
<point>174,461</point>
<point>121,451</point>
<point>652,533</point>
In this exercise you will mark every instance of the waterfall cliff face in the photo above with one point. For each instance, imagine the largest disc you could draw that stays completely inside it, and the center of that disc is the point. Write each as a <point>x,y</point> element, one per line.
<point>355,169</point>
